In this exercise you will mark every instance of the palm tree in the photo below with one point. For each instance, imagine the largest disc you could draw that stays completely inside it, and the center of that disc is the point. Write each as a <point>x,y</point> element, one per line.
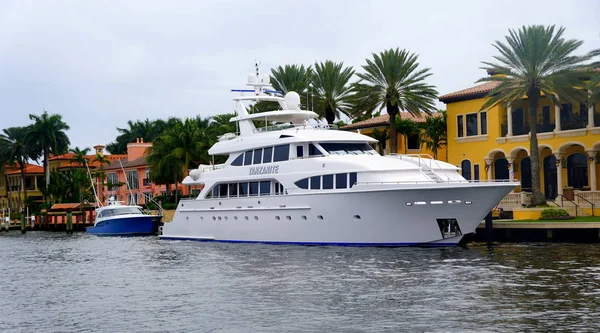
<point>381,137</point>
<point>535,60</point>
<point>292,78</point>
<point>48,131</point>
<point>15,149</point>
<point>100,175</point>
<point>333,93</point>
<point>434,134</point>
<point>80,155</point>
<point>79,176</point>
<point>5,161</point>
<point>407,128</point>
<point>393,80</point>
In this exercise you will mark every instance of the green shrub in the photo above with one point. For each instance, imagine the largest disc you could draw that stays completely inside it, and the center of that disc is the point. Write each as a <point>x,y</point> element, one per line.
<point>169,206</point>
<point>555,214</point>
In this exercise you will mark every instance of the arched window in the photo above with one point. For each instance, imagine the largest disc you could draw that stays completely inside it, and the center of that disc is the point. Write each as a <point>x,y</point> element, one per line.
<point>465,165</point>
<point>577,171</point>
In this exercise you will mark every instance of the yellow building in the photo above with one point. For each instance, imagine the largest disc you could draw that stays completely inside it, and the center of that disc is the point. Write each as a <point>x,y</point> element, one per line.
<point>406,145</point>
<point>11,194</point>
<point>494,144</point>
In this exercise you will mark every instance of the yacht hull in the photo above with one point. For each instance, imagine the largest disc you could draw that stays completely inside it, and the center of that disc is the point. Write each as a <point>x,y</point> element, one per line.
<point>127,226</point>
<point>378,216</point>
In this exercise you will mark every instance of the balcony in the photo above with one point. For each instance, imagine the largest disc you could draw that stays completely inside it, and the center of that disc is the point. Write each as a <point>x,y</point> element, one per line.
<point>147,182</point>
<point>573,123</point>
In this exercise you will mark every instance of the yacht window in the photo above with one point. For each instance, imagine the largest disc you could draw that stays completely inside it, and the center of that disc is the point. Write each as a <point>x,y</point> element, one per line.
<point>243,189</point>
<point>313,150</point>
<point>282,153</point>
<point>268,155</point>
<point>302,183</point>
<point>238,160</point>
<point>257,156</point>
<point>299,151</point>
<point>341,180</point>
<point>223,190</point>
<point>328,182</point>
<point>215,191</point>
<point>253,188</point>
<point>100,215</point>
<point>248,158</point>
<point>352,178</point>
<point>233,190</point>
<point>265,188</point>
<point>315,183</point>
<point>335,148</point>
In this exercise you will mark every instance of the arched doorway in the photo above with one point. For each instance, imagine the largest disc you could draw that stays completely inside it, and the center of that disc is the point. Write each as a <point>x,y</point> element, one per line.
<point>501,169</point>
<point>526,174</point>
<point>465,166</point>
<point>550,177</point>
<point>577,171</point>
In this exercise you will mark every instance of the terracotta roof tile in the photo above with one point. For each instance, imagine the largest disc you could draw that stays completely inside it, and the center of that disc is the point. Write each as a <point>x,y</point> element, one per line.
<point>115,165</point>
<point>384,119</point>
<point>469,93</point>
<point>29,169</point>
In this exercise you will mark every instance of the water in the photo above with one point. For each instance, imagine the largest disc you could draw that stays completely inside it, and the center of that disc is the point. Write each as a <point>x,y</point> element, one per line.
<point>51,282</point>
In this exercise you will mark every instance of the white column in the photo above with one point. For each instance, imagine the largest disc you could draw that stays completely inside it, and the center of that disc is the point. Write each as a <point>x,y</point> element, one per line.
<point>488,166</point>
<point>559,181</point>
<point>557,118</point>
<point>509,131</point>
<point>592,168</point>
<point>511,172</point>
<point>591,111</point>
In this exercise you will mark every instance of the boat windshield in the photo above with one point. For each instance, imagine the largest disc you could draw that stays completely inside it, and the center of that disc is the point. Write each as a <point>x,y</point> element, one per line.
<point>120,211</point>
<point>335,148</point>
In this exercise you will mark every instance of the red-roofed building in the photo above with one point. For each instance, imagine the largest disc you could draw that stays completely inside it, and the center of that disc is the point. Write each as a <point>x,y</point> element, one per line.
<point>12,194</point>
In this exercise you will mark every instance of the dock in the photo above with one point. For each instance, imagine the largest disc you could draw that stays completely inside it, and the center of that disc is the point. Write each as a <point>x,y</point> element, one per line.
<point>542,231</point>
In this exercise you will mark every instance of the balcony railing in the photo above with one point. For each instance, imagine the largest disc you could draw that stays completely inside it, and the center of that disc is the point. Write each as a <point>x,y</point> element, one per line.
<point>573,123</point>
<point>147,182</point>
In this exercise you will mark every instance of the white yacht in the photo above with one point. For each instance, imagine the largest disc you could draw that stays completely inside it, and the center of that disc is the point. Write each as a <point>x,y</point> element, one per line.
<point>300,182</point>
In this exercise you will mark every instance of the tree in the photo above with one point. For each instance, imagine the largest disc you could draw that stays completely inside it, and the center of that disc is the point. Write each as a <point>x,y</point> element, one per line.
<point>407,128</point>
<point>79,175</point>
<point>48,131</point>
<point>5,161</point>
<point>393,80</point>
<point>434,133</point>
<point>535,60</point>
<point>100,175</point>
<point>15,149</point>
<point>292,78</point>
<point>381,137</point>
<point>147,130</point>
<point>593,85</point>
<point>333,93</point>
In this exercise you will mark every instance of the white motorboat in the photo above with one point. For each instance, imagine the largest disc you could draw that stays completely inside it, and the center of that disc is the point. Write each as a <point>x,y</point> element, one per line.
<point>296,181</point>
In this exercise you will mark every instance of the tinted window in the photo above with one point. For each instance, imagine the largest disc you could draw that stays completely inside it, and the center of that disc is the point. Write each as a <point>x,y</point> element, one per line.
<point>239,160</point>
<point>223,190</point>
<point>466,169</point>
<point>313,151</point>
<point>257,156</point>
<point>483,117</point>
<point>335,148</point>
<point>248,158</point>
<point>459,121</point>
<point>299,151</point>
<point>265,188</point>
<point>233,190</point>
<point>302,183</point>
<point>268,155</point>
<point>315,182</point>
<point>215,191</point>
<point>475,171</point>
<point>352,178</point>
<point>472,124</point>
<point>327,182</point>
<point>282,153</point>
<point>341,180</point>
<point>243,189</point>
<point>253,188</point>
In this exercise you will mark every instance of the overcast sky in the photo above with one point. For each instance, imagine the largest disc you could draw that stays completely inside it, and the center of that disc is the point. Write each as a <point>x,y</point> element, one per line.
<point>101,63</point>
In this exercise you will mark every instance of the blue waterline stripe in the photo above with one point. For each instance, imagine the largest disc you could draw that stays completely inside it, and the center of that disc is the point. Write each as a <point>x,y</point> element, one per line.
<point>315,243</point>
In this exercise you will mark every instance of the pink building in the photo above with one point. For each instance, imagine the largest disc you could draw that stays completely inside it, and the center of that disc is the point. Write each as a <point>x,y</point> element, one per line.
<point>133,170</point>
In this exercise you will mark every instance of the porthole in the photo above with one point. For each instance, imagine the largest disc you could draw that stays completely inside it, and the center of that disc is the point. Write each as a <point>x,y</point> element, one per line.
<point>304,217</point>
<point>219,218</point>
<point>202,217</point>
<point>226,218</point>
<point>436,202</point>
<point>357,217</point>
<point>320,217</point>
<point>409,203</point>
<point>219,203</point>
<point>288,217</point>
<point>187,218</point>
<point>256,217</point>
<point>468,202</point>
<point>235,218</point>
<point>246,218</point>
<point>259,202</point>
<point>420,203</point>
<point>214,218</point>
<point>454,201</point>
<point>277,218</point>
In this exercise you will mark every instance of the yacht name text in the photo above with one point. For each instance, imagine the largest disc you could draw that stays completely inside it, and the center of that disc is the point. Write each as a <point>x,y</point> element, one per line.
<point>264,170</point>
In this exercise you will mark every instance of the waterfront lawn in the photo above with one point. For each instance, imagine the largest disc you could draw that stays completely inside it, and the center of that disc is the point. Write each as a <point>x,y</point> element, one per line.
<point>576,219</point>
